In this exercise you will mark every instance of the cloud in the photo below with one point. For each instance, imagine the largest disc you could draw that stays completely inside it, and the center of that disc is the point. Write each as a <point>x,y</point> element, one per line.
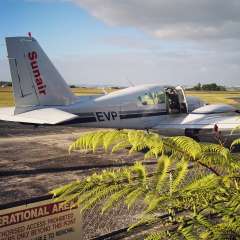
<point>145,67</point>
<point>193,19</point>
<point>204,46</point>
<point>162,67</point>
<point>204,34</point>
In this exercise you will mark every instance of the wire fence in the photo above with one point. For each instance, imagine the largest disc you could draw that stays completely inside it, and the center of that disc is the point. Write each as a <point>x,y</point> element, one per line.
<point>96,224</point>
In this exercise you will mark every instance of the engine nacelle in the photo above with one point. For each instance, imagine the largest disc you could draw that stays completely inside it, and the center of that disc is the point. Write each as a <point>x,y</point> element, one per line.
<point>194,103</point>
<point>215,108</point>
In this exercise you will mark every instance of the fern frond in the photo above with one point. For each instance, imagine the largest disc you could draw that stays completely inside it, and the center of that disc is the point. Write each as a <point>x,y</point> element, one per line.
<point>182,170</point>
<point>155,145</point>
<point>227,230</point>
<point>115,198</point>
<point>63,189</point>
<point>184,144</point>
<point>215,148</point>
<point>157,236</point>
<point>83,142</point>
<point>235,143</point>
<point>141,171</point>
<point>97,140</point>
<point>155,202</point>
<point>90,199</point>
<point>110,138</point>
<point>137,140</point>
<point>150,154</point>
<point>120,146</point>
<point>203,221</point>
<point>163,166</point>
<point>210,181</point>
<point>234,202</point>
<point>133,196</point>
<point>187,233</point>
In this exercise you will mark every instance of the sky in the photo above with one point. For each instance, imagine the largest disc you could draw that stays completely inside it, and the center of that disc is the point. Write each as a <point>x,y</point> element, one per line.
<point>125,42</point>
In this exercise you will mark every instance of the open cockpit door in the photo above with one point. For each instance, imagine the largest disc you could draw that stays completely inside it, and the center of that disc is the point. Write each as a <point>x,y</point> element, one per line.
<point>176,100</point>
<point>182,99</point>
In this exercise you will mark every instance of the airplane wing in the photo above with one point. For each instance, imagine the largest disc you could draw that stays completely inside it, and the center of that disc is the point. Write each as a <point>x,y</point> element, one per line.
<point>200,126</point>
<point>201,122</point>
<point>39,116</point>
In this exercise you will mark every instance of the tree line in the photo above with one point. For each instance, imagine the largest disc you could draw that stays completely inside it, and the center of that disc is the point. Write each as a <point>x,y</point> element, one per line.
<point>5,83</point>
<point>208,87</point>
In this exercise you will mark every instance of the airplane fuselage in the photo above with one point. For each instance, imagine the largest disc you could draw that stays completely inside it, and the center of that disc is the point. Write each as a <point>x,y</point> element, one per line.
<point>123,109</point>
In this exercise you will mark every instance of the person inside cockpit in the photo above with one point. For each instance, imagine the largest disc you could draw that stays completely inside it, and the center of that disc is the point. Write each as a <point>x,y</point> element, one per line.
<point>173,100</point>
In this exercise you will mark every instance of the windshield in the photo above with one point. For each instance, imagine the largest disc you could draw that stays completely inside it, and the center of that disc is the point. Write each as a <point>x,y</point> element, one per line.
<point>152,98</point>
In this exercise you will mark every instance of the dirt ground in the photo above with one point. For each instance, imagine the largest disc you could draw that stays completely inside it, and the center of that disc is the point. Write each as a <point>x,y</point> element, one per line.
<point>33,160</point>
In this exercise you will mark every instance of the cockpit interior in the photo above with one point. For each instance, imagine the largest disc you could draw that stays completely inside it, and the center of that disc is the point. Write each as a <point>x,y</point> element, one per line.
<point>169,98</point>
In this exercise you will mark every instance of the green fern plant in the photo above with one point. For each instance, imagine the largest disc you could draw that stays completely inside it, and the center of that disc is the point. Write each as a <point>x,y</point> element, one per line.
<point>197,184</point>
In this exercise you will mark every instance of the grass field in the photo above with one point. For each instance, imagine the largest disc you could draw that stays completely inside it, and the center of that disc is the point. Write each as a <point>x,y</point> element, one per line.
<point>227,97</point>
<point>6,97</point>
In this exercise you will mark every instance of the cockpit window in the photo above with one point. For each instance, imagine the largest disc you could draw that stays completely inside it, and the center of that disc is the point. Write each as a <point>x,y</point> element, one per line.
<point>152,98</point>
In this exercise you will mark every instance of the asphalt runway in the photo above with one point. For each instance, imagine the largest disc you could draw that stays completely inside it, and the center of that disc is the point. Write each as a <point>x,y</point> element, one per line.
<point>34,160</point>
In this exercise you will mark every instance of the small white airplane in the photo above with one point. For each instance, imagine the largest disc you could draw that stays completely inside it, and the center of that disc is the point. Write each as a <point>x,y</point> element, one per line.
<point>43,97</point>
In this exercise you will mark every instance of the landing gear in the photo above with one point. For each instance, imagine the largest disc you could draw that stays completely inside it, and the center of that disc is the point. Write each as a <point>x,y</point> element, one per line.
<point>192,133</point>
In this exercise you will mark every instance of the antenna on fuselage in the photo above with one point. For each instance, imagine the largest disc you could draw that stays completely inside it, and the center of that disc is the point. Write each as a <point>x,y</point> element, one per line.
<point>30,35</point>
<point>104,90</point>
<point>129,82</point>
